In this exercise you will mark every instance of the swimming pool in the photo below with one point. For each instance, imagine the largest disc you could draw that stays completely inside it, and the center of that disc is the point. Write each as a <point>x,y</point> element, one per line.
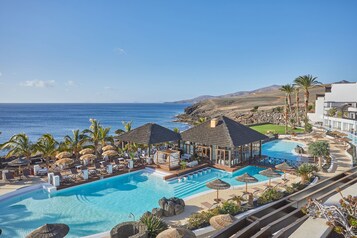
<point>98,206</point>
<point>281,149</point>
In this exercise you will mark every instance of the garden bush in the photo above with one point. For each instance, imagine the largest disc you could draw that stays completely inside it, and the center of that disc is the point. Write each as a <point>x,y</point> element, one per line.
<point>270,195</point>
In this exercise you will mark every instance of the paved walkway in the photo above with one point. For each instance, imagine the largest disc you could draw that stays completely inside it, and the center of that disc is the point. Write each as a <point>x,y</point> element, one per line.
<point>6,187</point>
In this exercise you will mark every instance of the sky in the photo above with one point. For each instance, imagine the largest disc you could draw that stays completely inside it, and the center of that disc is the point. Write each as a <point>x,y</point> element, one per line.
<point>160,51</point>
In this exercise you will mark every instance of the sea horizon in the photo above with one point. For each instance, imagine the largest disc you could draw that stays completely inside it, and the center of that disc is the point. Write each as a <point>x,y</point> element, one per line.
<point>59,119</point>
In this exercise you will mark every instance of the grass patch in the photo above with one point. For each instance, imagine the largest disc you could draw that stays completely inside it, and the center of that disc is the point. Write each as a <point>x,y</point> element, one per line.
<point>280,129</point>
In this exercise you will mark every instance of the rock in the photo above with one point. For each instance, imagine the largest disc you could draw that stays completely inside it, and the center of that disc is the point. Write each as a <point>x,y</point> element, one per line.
<point>129,230</point>
<point>179,209</point>
<point>169,207</point>
<point>158,212</point>
<point>162,202</point>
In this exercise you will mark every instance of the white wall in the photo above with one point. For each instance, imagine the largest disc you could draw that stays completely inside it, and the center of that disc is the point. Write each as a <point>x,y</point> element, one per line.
<point>342,93</point>
<point>318,115</point>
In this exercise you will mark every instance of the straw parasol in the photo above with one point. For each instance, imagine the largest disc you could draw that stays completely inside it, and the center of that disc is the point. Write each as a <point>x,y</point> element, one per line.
<point>283,167</point>
<point>50,231</point>
<point>108,147</point>
<point>18,162</point>
<point>64,154</point>
<point>86,151</point>
<point>246,178</point>
<point>270,173</point>
<point>87,157</point>
<point>221,221</point>
<point>110,153</point>
<point>176,233</point>
<point>218,185</point>
<point>65,161</point>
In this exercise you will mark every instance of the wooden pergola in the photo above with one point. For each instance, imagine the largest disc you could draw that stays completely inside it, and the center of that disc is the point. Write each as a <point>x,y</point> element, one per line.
<point>166,155</point>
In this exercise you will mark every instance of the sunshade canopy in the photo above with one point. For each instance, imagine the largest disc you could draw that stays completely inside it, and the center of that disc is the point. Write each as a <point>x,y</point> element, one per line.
<point>18,162</point>
<point>247,178</point>
<point>176,233</point>
<point>218,185</point>
<point>269,173</point>
<point>50,231</point>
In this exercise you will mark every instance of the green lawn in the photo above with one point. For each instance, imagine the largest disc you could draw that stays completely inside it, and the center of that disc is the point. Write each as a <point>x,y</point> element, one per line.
<point>280,129</point>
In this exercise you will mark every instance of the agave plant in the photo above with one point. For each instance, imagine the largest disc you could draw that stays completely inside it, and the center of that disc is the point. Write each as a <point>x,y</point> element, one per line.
<point>154,224</point>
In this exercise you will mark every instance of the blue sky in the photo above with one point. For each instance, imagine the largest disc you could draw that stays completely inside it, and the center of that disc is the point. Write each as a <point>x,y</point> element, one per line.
<point>156,51</point>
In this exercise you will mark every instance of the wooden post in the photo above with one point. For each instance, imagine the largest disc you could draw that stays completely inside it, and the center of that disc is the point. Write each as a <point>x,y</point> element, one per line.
<point>230,158</point>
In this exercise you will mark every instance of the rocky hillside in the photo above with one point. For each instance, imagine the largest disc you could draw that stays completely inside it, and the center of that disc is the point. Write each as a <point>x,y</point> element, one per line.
<point>258,106</point>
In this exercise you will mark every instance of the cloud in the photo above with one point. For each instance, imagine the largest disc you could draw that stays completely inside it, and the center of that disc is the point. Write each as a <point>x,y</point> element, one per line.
<point>70,83</point>
<point>38,83</point>
<point>120,51</point>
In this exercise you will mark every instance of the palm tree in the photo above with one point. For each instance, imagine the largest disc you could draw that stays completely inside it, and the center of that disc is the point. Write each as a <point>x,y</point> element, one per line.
<point>297,101</point>
<point>104,136</point>
<point>305,170</point>
<point>320,149</point>
<point>47,146</point>
<point>19,145</point>
<point>94,135</point>
<point>306,82</point>
<point>75,143</point>
<point>288,89</point>
<point>127,125</point>
<point>200,120</point>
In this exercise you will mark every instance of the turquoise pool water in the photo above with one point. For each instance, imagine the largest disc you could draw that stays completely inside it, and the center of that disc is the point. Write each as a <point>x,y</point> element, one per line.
<point>281,149</point>
<point>99,206</point>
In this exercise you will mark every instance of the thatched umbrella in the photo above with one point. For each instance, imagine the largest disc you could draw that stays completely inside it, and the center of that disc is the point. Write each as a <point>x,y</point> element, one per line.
<point>246,178</point>
<point>221,221</point>
<point>50,231</point>
<point>110,153</point>
<point>218,185</point>
<point>18,162</point>
<point>108,147</point>
<point>86,151</point>
<point>87,157</point>
<point>270,173</point>
<point>283,167</point>
<point>65,161</point>
<point>64,154</point>
<point>176,233</point>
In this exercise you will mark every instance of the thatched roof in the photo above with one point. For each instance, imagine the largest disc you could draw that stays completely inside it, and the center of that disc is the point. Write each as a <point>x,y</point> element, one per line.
<point>149,134</point>
<point>50,231</point>
<point>218,184</point>
<point>227,133</point>
<point>176,233</point>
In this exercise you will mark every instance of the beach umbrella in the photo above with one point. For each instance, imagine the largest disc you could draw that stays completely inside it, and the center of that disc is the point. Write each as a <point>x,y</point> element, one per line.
<point>86,151</point>
<point>108,147</point>
<point>18,162</point>
<point>50,231</point>
<point>65,161</point>
<point>176,233</point>
<point>246,178</point>
<point>221,221</point>
<point>64,154</point>
<point>87,157</point>
<point>270,173</point>
<point>218,185</point>
<point>283,167</point>
<point>110,153</point>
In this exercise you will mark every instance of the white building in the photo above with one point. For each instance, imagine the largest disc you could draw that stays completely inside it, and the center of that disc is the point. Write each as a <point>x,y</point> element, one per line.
<point>337,108</point>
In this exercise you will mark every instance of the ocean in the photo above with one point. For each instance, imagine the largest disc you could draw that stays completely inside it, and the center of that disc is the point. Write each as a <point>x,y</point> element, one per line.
<point>61,119</point>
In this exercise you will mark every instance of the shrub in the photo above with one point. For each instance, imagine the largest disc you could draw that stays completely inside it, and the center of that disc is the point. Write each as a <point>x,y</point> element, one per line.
<point>201,219</point>
<point>229,207</point>
<point>154,224</point>
<point>305,170</point>
<point>270,195</point>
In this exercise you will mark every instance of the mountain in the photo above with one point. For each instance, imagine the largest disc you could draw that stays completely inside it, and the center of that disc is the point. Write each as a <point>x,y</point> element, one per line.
<point>236,94</point>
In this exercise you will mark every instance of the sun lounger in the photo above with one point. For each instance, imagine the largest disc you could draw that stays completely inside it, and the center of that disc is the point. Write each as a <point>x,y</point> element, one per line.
<point>9,176</point>
<point>26,173</point>
<point>74,173</point>
<point>207,205</point>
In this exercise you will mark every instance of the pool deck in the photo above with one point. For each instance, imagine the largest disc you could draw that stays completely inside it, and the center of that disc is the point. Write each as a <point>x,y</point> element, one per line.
<point>194,203</point>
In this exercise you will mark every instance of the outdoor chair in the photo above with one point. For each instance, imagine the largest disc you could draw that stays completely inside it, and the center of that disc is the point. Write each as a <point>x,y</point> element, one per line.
<point>74,173</point>
<point>26,173</point>
<point>9,176</point>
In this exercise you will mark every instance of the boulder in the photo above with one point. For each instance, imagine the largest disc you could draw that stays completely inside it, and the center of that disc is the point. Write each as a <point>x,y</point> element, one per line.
<point>129,230</point>
<point>158,212</point>
<point>169,207</point>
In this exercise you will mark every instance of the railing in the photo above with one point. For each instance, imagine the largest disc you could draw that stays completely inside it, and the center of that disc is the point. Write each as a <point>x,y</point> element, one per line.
<point>272,161</point>
<point>353,152</point>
